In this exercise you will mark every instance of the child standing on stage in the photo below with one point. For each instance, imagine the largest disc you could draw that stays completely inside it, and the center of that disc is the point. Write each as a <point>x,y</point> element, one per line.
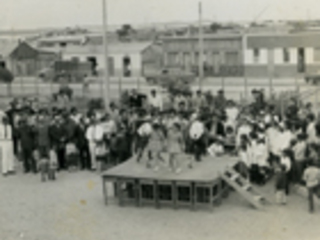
<point>155,146</point>
<point>175,146</point>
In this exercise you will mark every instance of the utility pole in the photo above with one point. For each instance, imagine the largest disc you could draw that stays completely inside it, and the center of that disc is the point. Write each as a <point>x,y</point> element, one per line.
<point>105,84</point>
<point>200,47</point>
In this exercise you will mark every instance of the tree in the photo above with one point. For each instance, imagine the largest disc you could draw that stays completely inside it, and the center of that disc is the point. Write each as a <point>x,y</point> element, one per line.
<point>214,27</point>
<point>125,32</point>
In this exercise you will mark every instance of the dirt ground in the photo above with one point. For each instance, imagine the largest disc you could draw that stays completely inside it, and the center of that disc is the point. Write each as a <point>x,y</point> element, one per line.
<point>72,208</point>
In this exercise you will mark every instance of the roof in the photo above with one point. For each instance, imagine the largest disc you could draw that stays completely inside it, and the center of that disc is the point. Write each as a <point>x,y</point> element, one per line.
<point>114,48</point>
<point>208,36</point>
<point>7,47</point>
<point>283,40</point>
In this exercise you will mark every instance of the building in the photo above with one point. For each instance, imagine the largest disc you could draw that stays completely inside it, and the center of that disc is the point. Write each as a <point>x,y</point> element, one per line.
<point>223,54</point>
<point>282,55</point>
<point>132,59</point>
<point>23,59</point>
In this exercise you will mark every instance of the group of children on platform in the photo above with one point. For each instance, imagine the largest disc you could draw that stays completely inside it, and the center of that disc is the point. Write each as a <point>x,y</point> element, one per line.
<point>267,144</point>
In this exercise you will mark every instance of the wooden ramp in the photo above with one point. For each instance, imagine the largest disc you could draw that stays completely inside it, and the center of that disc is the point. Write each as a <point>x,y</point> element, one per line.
<point>244,188</point>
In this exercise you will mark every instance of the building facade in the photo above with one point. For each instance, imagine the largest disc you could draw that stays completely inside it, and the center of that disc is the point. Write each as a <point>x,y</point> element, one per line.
<point>131,59</point>
<point>282,55</point>
<point>223,54</point>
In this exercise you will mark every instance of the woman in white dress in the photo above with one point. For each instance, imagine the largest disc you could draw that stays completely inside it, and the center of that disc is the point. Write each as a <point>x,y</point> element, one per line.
<point>6,147</point>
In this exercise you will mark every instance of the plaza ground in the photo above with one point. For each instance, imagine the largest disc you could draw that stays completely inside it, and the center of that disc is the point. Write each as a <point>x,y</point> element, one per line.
<point>72,208</point>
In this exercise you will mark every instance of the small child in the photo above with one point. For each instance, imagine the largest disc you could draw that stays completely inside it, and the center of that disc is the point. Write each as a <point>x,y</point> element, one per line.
<point>156,145</point>
<point>244,155</point>
<point>281,181</point>
<point>230,140</point>
<point>175,146</point>
<point>312,178</point>
<point>72,156</point>
<point>53,164</point>
<point>43,165</point>
<point>216,148</point>
<point>300,150</point>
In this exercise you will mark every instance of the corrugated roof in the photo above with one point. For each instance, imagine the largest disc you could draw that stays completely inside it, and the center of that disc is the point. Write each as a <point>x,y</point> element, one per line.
<point>209,36</point>
<point>284,40</point>
<point>114,48</point>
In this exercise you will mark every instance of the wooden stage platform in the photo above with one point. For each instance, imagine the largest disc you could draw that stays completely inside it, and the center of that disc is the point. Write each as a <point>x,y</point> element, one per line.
<point>199,186</point>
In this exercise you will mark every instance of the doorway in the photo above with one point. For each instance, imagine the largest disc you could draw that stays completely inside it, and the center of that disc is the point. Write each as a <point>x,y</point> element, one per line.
<point>301,60</point>
<point>126,66</point>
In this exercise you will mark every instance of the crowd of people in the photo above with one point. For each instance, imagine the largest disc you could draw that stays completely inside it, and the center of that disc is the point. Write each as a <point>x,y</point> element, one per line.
<point>266,142</point>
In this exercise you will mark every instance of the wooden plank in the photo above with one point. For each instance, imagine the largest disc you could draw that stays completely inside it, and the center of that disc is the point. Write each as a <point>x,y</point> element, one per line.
<point>242,192</point>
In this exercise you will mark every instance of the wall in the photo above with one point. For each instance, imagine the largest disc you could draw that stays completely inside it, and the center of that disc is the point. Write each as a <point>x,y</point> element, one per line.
<point>117,59</point>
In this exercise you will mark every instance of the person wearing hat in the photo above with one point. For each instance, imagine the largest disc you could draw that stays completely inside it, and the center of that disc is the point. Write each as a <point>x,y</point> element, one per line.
<point>6,146</point>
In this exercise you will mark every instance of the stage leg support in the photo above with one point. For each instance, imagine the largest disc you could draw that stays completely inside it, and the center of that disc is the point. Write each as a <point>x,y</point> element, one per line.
<point>105,190</point>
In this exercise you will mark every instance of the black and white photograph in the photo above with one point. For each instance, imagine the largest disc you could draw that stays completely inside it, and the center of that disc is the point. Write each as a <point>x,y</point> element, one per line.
<point>159,120</point>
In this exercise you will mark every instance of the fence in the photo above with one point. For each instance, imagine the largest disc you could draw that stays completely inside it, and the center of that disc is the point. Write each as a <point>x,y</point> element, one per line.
<point>238,89</point>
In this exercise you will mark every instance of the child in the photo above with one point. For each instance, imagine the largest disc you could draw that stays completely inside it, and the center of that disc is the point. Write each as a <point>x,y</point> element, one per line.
<point>175,146</point>
<point>281,181</point>
<point>155,145</point>
<point>44,165</point>
<point>299,150</point>
<point>72,156</point>
<point>53,164</point>
<point>216,148</point>
<point>285,165</point>
<point>312,178</point>
<point>244,155</point>
<point>230,140</point>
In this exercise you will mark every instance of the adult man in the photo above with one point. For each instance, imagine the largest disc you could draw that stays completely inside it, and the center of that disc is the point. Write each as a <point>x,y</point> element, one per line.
<point>6,147</point>
<point>58,138</point>
<point>155,101</point>
<point>26,136</point>
<point>94,135</point>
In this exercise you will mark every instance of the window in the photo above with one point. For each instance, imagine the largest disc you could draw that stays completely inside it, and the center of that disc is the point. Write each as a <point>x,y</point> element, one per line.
<point>126,66</point>
<point>232,58</point>
<point>172,58</point>
<point>256,55</point>
<point>74,59</point>
<point>316,55</point>
<point>286,55</point>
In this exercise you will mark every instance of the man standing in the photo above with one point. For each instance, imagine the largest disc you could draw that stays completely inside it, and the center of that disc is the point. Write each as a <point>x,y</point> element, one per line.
<point>94,135</point>
<point>58,140</point>
<point>26,137</point>
<point>6,147</point>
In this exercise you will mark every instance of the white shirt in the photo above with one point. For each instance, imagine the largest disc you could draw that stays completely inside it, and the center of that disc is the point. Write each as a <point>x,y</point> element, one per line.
<point>285,139</point>
<point>272,135</point>
<point>94,133</point>
<point>261,155</point>
<point>108,127</point>
<point>196,130</point>
<point>156,101</point>
<point>311,131</point>
<point>5,132</point>
<point>286,162</point>
<point>242,130</point>
<point>145,129</point>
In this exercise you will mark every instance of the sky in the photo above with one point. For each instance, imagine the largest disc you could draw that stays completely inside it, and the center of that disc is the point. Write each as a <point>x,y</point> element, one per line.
<point>29,14</point>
